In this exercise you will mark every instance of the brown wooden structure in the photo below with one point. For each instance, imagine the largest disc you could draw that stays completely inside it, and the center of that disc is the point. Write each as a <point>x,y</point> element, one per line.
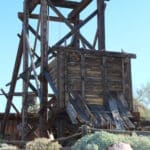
<point>89,85</point>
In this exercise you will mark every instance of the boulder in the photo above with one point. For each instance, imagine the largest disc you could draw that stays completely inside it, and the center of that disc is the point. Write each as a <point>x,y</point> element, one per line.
<point>120,146</point>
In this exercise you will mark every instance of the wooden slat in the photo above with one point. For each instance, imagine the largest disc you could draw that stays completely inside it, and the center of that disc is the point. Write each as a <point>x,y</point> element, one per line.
<point>98,101</point>
<point>115,113</point>
<point>81,109</point>
<point>65,4</point>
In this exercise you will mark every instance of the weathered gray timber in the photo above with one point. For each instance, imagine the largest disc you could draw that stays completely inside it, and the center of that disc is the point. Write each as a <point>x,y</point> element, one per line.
<point>83,77</point>
<point>88,80</point>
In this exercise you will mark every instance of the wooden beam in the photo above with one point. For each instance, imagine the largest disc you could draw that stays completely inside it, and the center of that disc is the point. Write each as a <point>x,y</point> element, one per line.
<point>95,39</point>
<point>57,3</point>
<point>76,38</point>
<point>78,9</point>
<point>25,67</point>
<point>87,43</point>
<point>44,63</point>
<point>65,4</point>
<point>69,25</point>
<point>32,130</point>
<point>97,53</point>
<point>76,29</point>
<point>6,95</point>
<point>49,18</point>
<point>13,84</point>
<point>83,68</point>
<point>130,84</point>
<point>38,62</point>
<point>29,93</point>
<point>59,14</point>
<point>101,24</point>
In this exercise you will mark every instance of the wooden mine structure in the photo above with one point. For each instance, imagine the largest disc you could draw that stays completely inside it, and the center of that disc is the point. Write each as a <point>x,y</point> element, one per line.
<point>89,85</point>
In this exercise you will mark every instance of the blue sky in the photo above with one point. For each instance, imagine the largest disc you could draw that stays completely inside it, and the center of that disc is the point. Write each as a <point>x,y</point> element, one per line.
<point>127,28</point>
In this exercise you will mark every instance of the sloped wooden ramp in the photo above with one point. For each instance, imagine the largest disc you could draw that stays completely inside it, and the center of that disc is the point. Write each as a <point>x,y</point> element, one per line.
<point>124,111</point>
<point>78,110</point>
<point>121,114</point>
<point>99,116</point>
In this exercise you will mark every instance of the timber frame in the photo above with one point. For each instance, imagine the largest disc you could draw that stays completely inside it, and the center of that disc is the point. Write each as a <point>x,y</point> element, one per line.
<point>38,59</point>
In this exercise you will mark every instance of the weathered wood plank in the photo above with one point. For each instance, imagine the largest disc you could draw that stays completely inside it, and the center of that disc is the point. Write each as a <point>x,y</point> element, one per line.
<point>115,113</point>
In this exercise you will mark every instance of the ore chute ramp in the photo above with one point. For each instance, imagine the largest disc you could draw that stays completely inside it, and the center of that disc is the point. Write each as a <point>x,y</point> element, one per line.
<point>121,115</point>
<point>78,111</point>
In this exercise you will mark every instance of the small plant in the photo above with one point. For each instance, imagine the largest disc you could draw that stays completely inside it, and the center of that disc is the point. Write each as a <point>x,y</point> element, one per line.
<point>42,144</point>
<point>91,147</point>
<point>54,146</point>
<point>4,146</point>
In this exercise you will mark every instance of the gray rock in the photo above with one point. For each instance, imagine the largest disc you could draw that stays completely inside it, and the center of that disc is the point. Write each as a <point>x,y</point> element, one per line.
<point>120,146</point>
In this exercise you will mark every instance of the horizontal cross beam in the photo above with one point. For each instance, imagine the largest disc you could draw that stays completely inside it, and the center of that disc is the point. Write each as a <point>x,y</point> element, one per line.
<point>49,18</point>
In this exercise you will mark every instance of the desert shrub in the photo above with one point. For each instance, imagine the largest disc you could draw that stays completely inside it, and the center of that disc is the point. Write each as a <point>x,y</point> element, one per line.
<point>143,110</point>
<point>4,146</point>
<point>42,144</point>
<point>54,146</point>
<point>103,139</point>
<point>91,147</point>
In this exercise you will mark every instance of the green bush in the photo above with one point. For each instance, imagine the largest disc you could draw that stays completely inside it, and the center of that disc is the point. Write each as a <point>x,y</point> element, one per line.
<point>91,147</point>
<point>42,144</point>
<point>101,140</point>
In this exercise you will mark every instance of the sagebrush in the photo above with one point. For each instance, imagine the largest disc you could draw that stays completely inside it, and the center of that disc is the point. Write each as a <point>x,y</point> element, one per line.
<point>102,140</point>
<point>42,144</point>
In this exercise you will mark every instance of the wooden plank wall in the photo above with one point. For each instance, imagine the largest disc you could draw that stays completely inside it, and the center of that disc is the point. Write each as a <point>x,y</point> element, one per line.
<point>83,74</point>
<point>74,74</point>
<point>93,80</point>
<point>11,131</point>
<point>114,74</point>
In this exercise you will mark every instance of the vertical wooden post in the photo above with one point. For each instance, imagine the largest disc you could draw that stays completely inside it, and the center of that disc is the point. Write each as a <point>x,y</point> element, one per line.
<point>83,76</point>
<point>25,67</point>
<point>12,86</point>
<point>44,64</point>
<point>76,42</point>
<point>130,84</point>
<point>123,76</point>
<point>104,78</point>
<point>101,24</point>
